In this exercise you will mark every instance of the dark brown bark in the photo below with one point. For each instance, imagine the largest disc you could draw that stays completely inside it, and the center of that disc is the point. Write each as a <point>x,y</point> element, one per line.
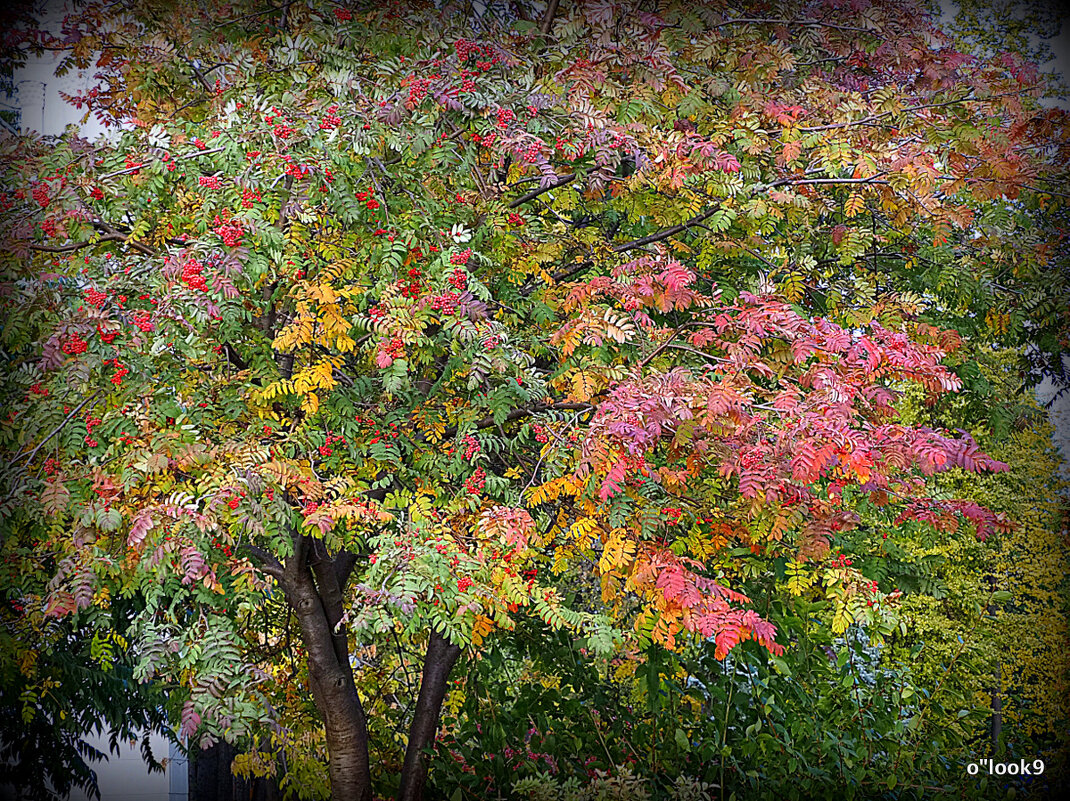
<point>441,656</point>
<point>548,17</point>
<point>318,606</point>
<point>314,584</point>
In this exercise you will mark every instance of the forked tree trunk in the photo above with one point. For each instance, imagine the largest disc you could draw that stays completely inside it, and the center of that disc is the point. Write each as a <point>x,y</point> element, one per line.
<point>314,586</point>
<point>318,611</point>
<point>441,656</point>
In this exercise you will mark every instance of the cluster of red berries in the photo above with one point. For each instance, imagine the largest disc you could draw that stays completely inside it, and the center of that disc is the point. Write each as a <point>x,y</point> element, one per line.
<point>475,483</point>
<point>467,49</point>
<point>97,193</point>
<point>95,298</point>
<point>379,433</point>
<point>515,219</point>
<point>463,583</point>
<point>74,345</point>
<point>296,170</point>
<point>209,181</point>
<point>199,144</point>
<point>842,561</point>
<point>310,507</point>
<point>372,204</point>
<point>107,337</point>
<point>51,466</point>
<point>48,227</point>
<point>506,116</point>
<point>377,312</point>
<point>530,154</point>
<point>458,279</point>
<point>37,389</point>
<point>230,232</point>
<point>226,549</point>
<point>283,131</point>
<point>367,193</point>
<point>120,372</point>
<point>751,460</point>
<point>332,120</point>
<point>125,438</point>
<point>40,194</point>
<point>486,140</point>
<point>418,88</point>
<point>234,502</point>
<point>91,423</point>
<point>191,275</point>
<point>248,197</point>
<point>569,149</point>
<point>143,320</point>
<point>490,343</point>
<point>540,433</point>
<point>342,15</point>
<point>326,450</point>
<point>413,288</point>
<point>461,256</point>
<point>467,84</point>
<point>673,513</point>
<point>395,348</point>
<point>445,303</point>
<point>471,446</point>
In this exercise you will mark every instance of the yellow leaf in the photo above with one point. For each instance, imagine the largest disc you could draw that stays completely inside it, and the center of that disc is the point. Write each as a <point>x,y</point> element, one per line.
<point>582,530</point>
<point>482,627</point>
<point>616,552</point>
<point>792,287</point>
<point>583,387</point>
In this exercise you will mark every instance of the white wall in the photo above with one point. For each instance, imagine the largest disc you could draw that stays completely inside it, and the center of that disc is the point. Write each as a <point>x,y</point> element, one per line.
<point>126,777</point>
<point>37,88</point>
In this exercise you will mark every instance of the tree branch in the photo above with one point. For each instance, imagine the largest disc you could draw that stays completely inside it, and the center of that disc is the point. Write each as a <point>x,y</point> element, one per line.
<point>548,17</point>
<point>268,563</point>
<point>665,233</point>
<point>534,193</point>
<point>516,414</point>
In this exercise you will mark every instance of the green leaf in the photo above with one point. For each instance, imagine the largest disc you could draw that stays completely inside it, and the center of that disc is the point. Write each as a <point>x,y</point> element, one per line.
<point>681,740</point>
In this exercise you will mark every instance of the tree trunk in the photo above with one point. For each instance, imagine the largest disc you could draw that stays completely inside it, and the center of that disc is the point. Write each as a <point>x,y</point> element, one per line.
<point>318,608</point>
<point>441,656</point>
<point>212,779</point>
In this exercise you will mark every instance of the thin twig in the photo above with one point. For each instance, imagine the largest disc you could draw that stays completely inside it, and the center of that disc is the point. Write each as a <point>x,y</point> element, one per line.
<point>57,429</point>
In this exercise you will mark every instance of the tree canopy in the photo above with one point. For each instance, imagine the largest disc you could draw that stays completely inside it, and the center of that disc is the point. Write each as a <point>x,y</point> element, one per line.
<point>378,334</point>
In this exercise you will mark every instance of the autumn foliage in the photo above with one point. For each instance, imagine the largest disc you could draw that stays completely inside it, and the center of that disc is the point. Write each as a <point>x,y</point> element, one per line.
<point>373,332</point>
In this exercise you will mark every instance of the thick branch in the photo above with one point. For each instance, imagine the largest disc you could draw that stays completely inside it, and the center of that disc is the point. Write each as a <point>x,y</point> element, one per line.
<point>665,233</point>
<point>534,193</point>
<point>332,678</point>
<point>268,563</point>
<point>441,656</point>
<point>548,18</point>
<point>516,414</point>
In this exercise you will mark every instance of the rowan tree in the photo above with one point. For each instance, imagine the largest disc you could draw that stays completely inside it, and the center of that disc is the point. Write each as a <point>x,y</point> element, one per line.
<point>375,328</point>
